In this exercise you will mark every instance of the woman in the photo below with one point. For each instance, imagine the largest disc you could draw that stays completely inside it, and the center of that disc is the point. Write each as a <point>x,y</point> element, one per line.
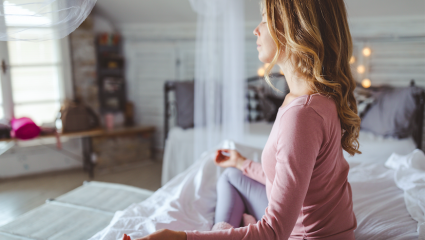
<point>301,190</point>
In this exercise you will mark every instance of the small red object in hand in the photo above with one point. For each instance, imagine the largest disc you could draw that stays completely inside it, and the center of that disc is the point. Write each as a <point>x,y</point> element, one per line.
<point>222,155</point>
<point>126,237</point>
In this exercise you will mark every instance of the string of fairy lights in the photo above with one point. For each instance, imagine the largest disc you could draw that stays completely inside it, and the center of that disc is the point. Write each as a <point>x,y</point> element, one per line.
<point>361,69</point>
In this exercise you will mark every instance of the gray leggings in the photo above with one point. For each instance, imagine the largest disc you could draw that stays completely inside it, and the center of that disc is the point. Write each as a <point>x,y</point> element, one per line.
<point>238,194</point>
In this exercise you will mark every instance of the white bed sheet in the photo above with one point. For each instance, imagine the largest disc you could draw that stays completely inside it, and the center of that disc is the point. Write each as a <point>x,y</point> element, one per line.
<point>378,203</point>
<point>187,202</point>
<point>178,152</point>
<point>75,215</point>
<point>410,177</point>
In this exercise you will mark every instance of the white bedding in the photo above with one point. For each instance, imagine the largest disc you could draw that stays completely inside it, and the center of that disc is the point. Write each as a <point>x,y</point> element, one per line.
<point>187,202</point>
<point>410,177</point>
<point>75,215</point>
<point>378,203</point>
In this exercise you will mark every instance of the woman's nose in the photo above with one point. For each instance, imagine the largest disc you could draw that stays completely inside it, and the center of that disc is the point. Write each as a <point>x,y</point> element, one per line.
<point>256,32</point>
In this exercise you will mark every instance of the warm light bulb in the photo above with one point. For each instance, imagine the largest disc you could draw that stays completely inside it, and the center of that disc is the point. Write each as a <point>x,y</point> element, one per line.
<point>261,71</point>
<point>361,69</point>
<point>367,52</point>
<point>266,65</point>
<point>281,72</point>
<point>352,60</point>
<point>366,83</point>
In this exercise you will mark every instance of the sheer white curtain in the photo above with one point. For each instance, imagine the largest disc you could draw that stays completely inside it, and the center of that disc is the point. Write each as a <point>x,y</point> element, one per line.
<point>219,73</point>
<point>30,18</point>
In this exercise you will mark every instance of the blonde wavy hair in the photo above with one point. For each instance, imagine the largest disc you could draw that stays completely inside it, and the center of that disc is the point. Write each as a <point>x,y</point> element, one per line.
<point>315,36</point>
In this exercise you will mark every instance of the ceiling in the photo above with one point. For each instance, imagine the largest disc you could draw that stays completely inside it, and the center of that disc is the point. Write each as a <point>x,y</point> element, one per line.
<point>172,11</point>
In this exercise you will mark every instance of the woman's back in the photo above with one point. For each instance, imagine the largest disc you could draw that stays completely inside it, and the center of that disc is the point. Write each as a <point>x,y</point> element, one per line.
<point>304,157</point>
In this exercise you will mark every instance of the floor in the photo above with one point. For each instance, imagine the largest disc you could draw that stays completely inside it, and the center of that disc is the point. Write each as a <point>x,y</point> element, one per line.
<point>18,196</point>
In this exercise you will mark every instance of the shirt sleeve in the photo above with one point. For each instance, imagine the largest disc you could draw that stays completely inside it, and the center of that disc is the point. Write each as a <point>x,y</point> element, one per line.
<point>300,137</point>
<point>254,170</point>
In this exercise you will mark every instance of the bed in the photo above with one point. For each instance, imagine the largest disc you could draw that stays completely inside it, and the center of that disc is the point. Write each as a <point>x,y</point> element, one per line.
<point>187,202</point>
<point>388,182</point>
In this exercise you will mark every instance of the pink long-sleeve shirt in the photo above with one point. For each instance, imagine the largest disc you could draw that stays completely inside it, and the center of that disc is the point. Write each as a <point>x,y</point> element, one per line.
<point>305,174</point>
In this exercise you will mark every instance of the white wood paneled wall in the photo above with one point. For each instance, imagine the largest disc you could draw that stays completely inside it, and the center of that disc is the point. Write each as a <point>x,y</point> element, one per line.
<point>393,62</point>
<point>158,52</point>
<point>149,66</point>
<point>398,49</point>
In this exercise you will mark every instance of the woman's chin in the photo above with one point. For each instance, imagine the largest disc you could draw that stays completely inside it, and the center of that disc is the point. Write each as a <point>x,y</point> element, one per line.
<point>261,59</point>
<point>265,59</point>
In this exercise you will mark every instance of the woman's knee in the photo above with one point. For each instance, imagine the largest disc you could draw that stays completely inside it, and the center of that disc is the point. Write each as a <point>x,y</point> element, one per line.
<point>230,174</point>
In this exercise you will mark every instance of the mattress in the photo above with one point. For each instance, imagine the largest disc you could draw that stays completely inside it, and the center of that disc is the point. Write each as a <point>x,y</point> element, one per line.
<point>78,214</point>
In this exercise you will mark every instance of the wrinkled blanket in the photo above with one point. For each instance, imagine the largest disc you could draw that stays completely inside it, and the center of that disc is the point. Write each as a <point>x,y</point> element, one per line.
<point>410,177</point>
<point>188,201</point>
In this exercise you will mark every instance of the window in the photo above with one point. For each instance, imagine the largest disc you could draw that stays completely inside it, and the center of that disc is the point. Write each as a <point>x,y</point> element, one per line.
<point>36,74</point>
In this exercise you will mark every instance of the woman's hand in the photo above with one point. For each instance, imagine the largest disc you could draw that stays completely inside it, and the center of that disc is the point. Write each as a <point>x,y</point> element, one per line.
<point>229,158</point>
<point>161,235</point>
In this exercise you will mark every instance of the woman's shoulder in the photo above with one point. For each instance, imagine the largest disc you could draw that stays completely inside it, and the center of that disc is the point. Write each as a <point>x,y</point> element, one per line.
<point>324,106</point>
<point>310,106</point>
<point>302,116</point>
<point>320,101</point>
